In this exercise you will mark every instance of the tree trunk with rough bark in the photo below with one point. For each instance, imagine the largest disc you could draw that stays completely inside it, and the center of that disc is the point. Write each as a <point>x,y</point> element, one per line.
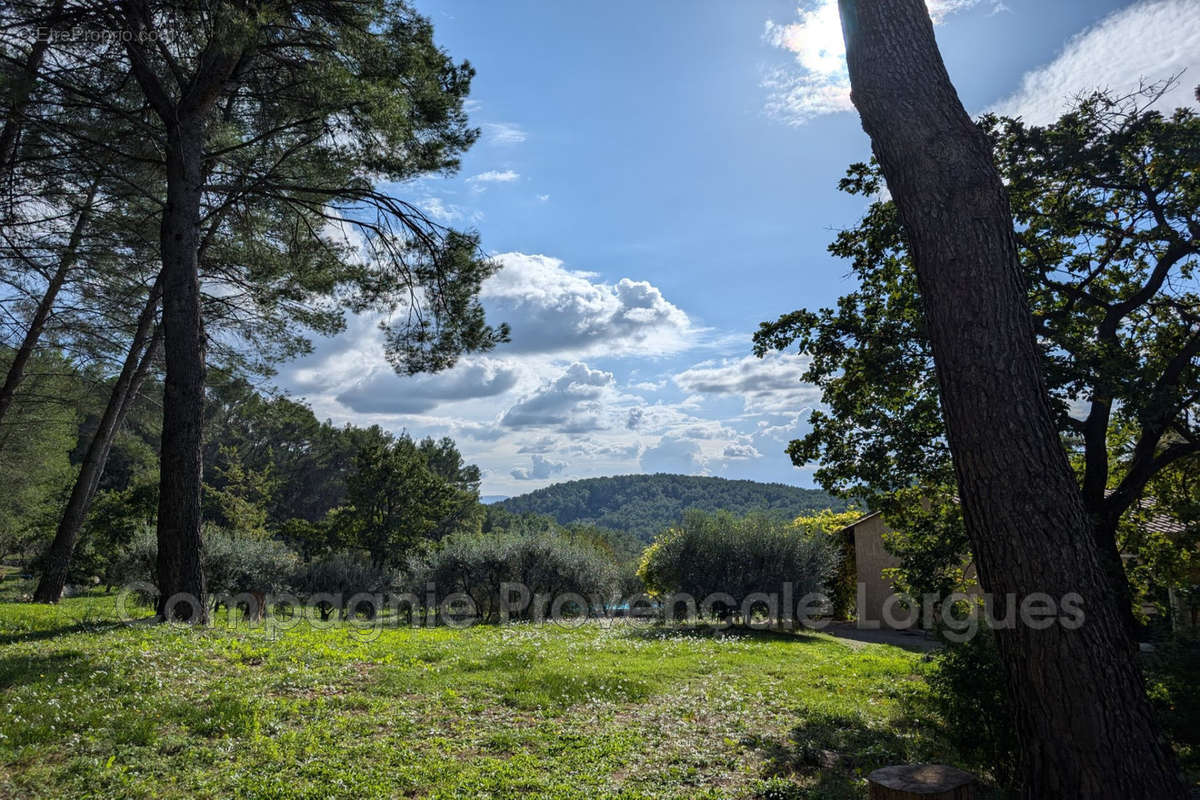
<point>1084,722</point>
<point>146,341</point>
<point>180,571</point>
<point>16,370</point>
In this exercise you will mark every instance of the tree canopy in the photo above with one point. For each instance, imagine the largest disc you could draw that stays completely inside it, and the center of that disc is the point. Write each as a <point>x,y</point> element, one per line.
<point>644,505</point>
<point>1104,202</point>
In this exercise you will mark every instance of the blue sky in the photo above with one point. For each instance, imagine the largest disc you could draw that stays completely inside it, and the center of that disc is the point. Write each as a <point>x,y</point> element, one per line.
<point>660,176</point>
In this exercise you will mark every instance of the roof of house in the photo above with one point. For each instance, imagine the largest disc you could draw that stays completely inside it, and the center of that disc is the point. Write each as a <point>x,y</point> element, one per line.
<point>860,520</point>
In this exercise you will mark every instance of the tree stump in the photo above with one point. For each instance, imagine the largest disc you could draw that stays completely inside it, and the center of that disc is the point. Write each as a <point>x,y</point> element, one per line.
<point>921,782</point>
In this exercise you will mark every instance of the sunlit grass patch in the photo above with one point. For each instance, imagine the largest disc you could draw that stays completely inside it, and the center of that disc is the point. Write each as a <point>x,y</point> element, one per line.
<point>620,709</point>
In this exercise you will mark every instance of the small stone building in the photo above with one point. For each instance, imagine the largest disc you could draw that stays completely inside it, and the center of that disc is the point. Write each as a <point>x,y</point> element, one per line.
<point>871,558</point>
<point>863,541</point>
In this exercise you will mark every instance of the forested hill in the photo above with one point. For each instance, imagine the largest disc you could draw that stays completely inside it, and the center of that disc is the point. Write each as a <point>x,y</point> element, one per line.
<point>645,504</point>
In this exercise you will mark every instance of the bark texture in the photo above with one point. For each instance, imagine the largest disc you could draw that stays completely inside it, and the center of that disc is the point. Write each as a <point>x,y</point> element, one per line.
<point>142,351</point>
<point>180,571</point>
<point>181,586</point>
<point>1084,722</point>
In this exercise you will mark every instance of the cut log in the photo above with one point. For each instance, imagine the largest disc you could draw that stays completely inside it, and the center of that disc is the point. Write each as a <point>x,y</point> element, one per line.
<point>921,782</point>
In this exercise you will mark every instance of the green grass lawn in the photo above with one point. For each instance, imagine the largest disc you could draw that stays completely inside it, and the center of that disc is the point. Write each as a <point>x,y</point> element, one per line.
<point>93,708</point>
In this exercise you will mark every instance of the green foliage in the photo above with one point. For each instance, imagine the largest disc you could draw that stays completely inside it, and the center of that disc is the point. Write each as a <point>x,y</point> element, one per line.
<point>974,706</point>
<point>545,562</point>
<point>708,554</point>
<point>307,461</point>
<point>345,574</point>
<point>843,581</point>
<point>645,504</point>
<point>234,562</point>
<point>928,537</point>
<point>116,518</point>
<point>402,494</point>
<point>1087,196</point>
<point>330,103</point>
<point>240,499</point>
<point>1165,557</point>
<point>1104,203</point>
<point>237,561</point>
<point>977,717</point>
<point>36,439</point>
<point>1172,672</point>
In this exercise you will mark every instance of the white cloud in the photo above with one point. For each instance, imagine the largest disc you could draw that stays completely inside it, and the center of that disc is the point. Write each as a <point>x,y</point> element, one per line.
<point>543,198</point>
<point>538,411</point>
<point>542,444</point>
<point>675,454</point>
<point>1149,41</point>
<point>773,384</point>
<point>384,392</point>
<point>783,431</point>
<point>540,468</point>
<point>818,82</point>
<point>742,451</point>
<point>495,176</point>
<point>503,133</point>
<point>555,310</point>
<point>448,213</point>
<point>569,403</point>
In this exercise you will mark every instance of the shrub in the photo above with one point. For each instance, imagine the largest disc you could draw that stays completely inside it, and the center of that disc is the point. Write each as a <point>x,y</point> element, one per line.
<point>968,691</point>
<point>233,563</point>
<point>1173,683</point>
<point>136,561</point>
<point>545,562</point>
<point>344,574</point>
<point>708,554</point>
<point>842,584</point>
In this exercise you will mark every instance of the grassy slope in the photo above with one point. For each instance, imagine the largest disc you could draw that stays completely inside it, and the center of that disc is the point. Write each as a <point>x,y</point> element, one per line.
<point>93,709</point>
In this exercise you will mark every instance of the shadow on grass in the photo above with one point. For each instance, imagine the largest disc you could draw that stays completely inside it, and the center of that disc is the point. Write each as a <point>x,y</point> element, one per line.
<point>659,632</point>
<point>68,666</point>
<point>829,755</point>
<point>45,634</point>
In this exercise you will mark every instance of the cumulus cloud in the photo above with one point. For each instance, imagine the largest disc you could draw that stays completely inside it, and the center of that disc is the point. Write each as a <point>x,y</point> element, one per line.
<point>568,403</point>
<point>674,454</point>
<point>495,176</point>
<point>1149,41</point>
<point>783,431</point>
<point>742,451</point>
<point>503,133</point>
<point>818,83</point>
<point>542,445</point>
<point>384,392</point>
<point>556,310</point>
<point>540,468</point>
<point>773,384</point>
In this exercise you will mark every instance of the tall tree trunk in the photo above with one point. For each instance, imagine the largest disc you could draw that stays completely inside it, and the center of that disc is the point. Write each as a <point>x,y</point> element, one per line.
<point>1084,722</point>
<point>180,571</point>
<point>16,370</point>
<point>146,341</point>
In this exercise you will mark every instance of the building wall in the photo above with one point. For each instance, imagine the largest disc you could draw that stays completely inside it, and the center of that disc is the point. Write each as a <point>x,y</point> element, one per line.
<point>871,559</point>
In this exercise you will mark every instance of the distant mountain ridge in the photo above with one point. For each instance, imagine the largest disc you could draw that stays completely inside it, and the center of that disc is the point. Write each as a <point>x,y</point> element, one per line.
<point>643,505</point>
